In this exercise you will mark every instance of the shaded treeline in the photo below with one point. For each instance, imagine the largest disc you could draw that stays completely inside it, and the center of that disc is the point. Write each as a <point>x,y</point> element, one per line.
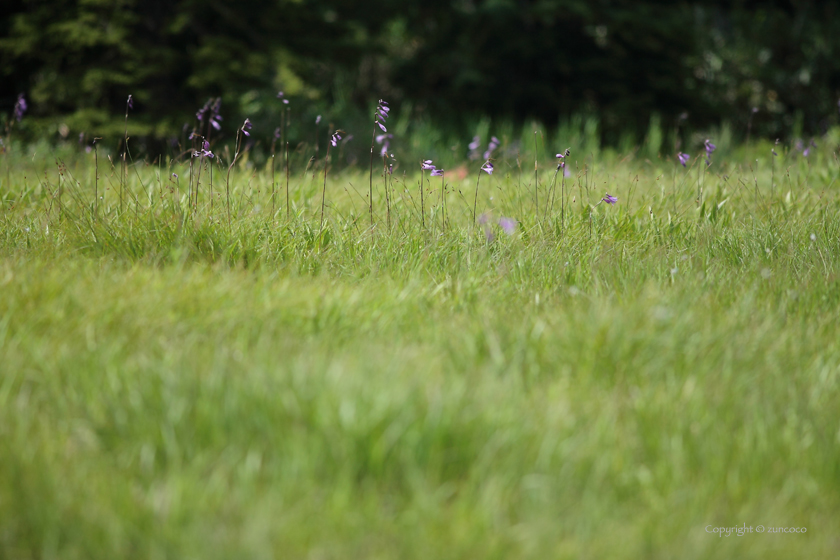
<point>448,61</point>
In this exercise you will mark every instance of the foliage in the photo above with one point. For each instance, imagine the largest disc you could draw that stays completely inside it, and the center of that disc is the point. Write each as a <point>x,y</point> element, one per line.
<point>450,61</point>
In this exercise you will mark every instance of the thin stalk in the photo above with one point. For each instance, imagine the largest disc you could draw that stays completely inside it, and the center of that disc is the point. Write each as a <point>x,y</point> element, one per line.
<point>288,208</point>
<point>422,205</point>
<point>324,191</point>
<point>387,193</point>
<point>536,193</point>
<point>273,174</point>
<point>549,203</point>
<point>227,179</point>
<point>562,202</point>
<point>370,177</point>
<point>95,179</point>
<point>475,201</point>
<point>125,150</point>
<point>443,202</point>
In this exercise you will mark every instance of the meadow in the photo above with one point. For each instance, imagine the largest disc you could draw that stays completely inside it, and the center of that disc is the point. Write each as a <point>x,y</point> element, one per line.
<point>187,373</point>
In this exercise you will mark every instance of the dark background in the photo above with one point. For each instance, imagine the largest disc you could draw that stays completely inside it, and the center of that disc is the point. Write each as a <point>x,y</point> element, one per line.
<point>447,62</point>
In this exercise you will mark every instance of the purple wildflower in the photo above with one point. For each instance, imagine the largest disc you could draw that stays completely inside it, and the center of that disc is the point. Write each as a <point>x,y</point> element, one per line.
<point>508,225</point>
<point>473,146</point>
<point>335,138</point>
<point>277,133</point>
<point>318,119</point>
<point>709,149</point>
<point>246,126</point>
<point>130,102</point>
<point>390,168</point>
<point>210,111</point>
<point>491,147</point>
<point>175,175</point>
<point>383,139</point>
<point>683,158</point>
<point>426,165</point>
<point>381,114</point>
<point>214,114</point>
<point>437,172</point>
<point>488,167</point>
<point>609,199</point>
<point>20,107</point>
<point>201,113</point>
<point>205,151</point>
<point>561,164</point>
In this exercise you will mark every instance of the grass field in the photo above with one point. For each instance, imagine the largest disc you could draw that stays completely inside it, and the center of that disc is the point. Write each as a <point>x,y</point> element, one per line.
<point>607,381</point>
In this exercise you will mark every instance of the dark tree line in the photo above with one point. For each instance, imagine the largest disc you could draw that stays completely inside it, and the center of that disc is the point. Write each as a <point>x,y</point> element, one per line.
<point>450,59</point>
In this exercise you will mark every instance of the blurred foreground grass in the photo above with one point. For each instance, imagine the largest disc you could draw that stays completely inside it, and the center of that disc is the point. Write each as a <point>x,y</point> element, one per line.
<point>175,386</point>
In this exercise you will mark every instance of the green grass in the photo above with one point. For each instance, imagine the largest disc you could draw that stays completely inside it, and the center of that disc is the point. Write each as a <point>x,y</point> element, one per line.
<point>175,386</point>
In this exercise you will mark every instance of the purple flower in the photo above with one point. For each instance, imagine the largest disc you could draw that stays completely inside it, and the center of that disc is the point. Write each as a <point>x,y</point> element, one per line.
<point>473,146</point>
<point>426,165</point>
<point>205,151</point>
<point>508,225</point>
<point>279,95</point>
<point>683,158</point>
<point>488,167</point>
<point>709,149</point>
<point>609,199</point>
<point>214,114</point>
<point>381,114</point>
<point>773,151</point>
<point>246,126</point>
<point>20,107</point>
<point>130,102</point>
<point>318,119</point>
<point>491,147</point>
<point>277,133</point>
<point>437,172</point>
<point>806,152</point>
<point>201,113</point>
<point>383,139</point>
<point>335,138</point>
<point>175,175</point>
<point>390,168</point>
<point>210,111</point>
